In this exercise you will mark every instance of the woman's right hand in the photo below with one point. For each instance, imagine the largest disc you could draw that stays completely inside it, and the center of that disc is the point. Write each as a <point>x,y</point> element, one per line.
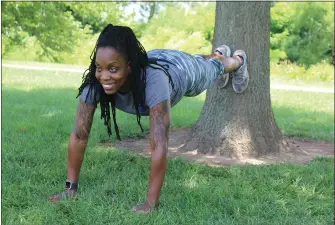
<point>66,194</point>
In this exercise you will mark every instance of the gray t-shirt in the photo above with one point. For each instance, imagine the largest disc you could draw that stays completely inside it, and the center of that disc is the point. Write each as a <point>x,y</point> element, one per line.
<point>191,75</point>
<point>157,90</point>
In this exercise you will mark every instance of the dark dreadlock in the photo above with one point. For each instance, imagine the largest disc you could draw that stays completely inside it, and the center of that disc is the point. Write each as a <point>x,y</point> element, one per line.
<point>125,42</point>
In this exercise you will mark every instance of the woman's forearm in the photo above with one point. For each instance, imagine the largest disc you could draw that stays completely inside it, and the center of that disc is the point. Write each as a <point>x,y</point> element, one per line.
<point>157,174</point>
<point>75,157</point>
<point>78,140</point>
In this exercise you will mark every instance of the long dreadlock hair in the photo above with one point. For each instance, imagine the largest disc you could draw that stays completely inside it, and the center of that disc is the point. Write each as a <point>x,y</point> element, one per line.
<point>125,42</point>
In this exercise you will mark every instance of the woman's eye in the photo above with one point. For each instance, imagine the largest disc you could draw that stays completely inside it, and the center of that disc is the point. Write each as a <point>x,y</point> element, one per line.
<point>98,69</point>
<point>113,69</point>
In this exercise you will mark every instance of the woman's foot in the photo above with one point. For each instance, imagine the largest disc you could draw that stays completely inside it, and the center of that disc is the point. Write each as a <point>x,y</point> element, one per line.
<point>241,75</point>
<point>224,78</point>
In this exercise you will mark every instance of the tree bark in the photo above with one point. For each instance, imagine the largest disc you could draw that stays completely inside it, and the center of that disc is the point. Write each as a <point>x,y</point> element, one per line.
<point>238,125</point>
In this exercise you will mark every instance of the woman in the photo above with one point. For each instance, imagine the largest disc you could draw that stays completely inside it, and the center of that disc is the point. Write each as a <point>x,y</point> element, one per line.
<point>122,75</point>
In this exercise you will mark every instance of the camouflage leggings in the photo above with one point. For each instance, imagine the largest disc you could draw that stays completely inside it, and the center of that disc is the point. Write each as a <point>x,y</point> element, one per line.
<point>199,73</point>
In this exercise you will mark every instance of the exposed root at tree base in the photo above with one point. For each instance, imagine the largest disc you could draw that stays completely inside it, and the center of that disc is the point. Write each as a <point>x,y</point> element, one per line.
<point>304,152</point>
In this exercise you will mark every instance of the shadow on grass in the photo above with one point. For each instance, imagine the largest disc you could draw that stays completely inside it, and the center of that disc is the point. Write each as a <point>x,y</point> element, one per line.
<point>35,131</point>
<point>60,105</point>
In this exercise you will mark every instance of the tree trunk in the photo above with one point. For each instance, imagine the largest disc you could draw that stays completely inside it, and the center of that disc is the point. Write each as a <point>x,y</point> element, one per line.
<point>233,124</point>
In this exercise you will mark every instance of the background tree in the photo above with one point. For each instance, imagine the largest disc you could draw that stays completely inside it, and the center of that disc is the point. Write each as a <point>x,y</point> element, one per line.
<point>302,32</point>
<point>96,14</point>
<point>240,124</point>
<point>53,30</point>
<point>145,12</point>
<point>193,35</point>
<point>66,32</point>
<point>311,33</point>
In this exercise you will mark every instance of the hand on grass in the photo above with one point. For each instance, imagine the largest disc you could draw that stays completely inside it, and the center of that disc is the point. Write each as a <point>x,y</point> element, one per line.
<point>67,194</point>
<point>144,208</point>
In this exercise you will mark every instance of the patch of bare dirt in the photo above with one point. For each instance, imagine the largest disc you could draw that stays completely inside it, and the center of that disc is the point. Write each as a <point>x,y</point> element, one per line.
<point>304,152</point>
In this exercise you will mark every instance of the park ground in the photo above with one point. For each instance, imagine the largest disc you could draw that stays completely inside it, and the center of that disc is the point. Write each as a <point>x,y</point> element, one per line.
<point>38,110</point>
<point>302,151</point>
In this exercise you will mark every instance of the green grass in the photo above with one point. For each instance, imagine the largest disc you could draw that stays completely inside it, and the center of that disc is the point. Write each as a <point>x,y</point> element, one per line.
<point>318,75</point>
<point>305,115</point>
<point>278,80</point>
<point>38,110</point>
<point>42,64</point>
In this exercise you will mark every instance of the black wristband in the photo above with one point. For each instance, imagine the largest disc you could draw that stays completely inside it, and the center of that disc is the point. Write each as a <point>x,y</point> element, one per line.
<point>71,186</point>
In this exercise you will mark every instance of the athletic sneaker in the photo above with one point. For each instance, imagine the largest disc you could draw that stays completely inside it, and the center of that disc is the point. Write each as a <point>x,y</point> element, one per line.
<point>241,76</point>
<point>225,51</point>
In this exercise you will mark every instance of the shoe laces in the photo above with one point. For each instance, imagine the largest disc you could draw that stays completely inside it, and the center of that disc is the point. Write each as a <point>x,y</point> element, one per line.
<point>238,75</point>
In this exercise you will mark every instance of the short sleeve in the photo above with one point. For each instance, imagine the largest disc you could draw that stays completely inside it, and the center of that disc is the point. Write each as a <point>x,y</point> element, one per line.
<point>157,87</point>
<point>91,95</point>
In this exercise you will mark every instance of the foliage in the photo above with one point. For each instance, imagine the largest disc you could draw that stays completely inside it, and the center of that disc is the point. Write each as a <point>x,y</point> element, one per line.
<point>310,38</point>
<point>191,43</point>
<point>193,35</point>
<point>301,32</point>
<point>304,31</point>
<point>321,72</point>
<point>96,15</point>
<point>22,20</point>
<point>59,30</point>
<point>148,10</point>
<point>277,55</point>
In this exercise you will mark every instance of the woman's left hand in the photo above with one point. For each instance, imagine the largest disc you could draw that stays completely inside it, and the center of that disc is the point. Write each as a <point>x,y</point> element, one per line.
<point>144,208</point>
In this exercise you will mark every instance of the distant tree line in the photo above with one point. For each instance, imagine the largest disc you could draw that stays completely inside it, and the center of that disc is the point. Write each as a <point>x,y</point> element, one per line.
<point>301,32</point>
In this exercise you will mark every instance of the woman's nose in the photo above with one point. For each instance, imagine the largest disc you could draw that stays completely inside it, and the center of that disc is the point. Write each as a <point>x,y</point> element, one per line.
<point>104,75</point>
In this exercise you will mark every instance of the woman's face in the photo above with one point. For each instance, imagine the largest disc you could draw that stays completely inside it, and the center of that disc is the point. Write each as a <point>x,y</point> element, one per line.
<point>112,69</point>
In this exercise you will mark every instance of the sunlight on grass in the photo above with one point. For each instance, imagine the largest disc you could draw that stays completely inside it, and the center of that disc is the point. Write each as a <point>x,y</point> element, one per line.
<point>28,80</point>
<point>42,64</point>
<point>52,113</point>
<point>194,181</point>
<point>300,114</point>
<point>38,112</point>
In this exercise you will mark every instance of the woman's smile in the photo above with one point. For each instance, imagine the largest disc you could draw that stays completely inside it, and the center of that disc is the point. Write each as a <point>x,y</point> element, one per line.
<point>108,86</point>
<point>111,69</point>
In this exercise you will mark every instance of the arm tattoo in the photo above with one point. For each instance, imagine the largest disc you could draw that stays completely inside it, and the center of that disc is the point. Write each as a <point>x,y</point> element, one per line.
<point>159,125</point>
<point>84,119</point>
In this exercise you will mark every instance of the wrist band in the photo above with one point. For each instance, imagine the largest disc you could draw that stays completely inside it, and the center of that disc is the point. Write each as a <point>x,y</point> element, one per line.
<point>71,186</point>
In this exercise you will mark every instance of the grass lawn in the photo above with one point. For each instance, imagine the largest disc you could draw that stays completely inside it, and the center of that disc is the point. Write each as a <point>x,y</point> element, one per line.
<point>42,64</point>
<point>38,110</point>
<point>275,79</point>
